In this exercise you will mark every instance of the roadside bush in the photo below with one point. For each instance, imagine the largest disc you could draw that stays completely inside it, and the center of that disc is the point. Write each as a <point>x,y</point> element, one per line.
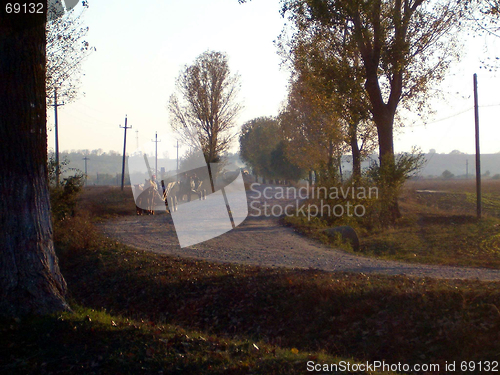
<point>74,234</point>
<point>335,204</point>
<point>390,180</point>
<point>365,204</point>
<point>63,198</point>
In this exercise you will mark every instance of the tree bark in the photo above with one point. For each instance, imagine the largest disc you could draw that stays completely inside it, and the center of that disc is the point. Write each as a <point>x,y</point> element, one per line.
<point>340,170</point>
<point>30,280</point>
<point>383,116</point>
<point>387,165</point>
<point>385,140</point>
<point>356,154</point>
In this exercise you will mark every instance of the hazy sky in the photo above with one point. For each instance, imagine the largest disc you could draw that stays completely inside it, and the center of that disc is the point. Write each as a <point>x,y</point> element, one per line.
<point>141,47</point>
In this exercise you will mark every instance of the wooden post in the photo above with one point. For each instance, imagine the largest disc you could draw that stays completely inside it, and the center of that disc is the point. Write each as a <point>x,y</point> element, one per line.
<point>156,153</point>
<point>478,153</point>
<point>124,149</point>
<point>86,158</point>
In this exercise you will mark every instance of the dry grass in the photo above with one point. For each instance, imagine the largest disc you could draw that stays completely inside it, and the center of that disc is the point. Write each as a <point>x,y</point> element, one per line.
<point>338,314</point>
<point>104,202</point>
<point>138,312</point>
<point>318,315</point>
<point>487,186</point>
<point>436,228</point>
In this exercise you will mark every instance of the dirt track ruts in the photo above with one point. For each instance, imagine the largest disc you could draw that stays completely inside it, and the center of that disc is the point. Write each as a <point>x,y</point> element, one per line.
<point>263,241</point>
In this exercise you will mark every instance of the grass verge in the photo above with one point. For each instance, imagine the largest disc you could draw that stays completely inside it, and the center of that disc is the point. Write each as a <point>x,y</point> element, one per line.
<point>437,227</point>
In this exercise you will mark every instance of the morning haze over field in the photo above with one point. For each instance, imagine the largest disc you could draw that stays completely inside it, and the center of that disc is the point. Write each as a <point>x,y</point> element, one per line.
<point>459,164</point>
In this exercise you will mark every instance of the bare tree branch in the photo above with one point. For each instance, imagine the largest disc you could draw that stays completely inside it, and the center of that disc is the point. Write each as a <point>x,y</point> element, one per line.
<point>204,110</point>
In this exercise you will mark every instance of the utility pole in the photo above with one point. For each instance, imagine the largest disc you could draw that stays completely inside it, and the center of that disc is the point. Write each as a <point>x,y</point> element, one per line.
<point>124,149</point>
<point>478,153</point>
<point>56,131</point>
<point>86,158</point>
<point>156,153</point>
<point>177,147</point>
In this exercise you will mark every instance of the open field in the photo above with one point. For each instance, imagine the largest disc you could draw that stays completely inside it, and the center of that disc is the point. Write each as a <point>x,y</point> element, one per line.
<point>438,226</point>
<point>104,202</point>
<point>143,312</point>
<point>441,227</point>
<point>489,186</point>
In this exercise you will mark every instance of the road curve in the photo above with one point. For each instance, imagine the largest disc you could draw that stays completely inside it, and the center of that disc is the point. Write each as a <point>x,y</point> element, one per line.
<point>263,241</point>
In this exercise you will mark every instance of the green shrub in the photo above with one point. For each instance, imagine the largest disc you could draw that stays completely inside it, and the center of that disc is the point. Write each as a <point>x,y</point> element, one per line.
<point>63,198</point>
<point>390,180</point>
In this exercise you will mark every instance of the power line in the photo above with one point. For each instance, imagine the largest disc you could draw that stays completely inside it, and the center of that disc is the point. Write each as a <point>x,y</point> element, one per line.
<point>91,119</point>
<point>441,119</point>
<point>454,115</point>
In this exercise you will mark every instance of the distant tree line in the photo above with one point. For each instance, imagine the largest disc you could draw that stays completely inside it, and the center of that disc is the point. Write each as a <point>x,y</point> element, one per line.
<point>99,161</point>
<point>263,147</point>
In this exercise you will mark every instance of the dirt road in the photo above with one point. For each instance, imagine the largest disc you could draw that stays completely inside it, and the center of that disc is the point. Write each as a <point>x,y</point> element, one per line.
<point>260,240</point>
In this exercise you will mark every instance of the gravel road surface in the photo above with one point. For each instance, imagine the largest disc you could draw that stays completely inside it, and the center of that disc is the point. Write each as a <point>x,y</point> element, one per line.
<point>261,240</point>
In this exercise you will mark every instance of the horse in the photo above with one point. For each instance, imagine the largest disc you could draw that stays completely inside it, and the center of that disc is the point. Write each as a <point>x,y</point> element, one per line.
<point>147,198</point>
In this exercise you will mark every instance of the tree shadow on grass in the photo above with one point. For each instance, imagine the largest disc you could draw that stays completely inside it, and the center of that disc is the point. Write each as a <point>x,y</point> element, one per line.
<point>394,318</point>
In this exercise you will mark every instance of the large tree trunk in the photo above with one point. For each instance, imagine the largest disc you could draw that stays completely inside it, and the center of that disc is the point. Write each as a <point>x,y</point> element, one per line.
<point>387,164</point>
<point>30,281</point>
<point>341,174</point>
<point>356,154</point>
<point>385,140</point>
<point>330,168</point>
<point>383,116</point>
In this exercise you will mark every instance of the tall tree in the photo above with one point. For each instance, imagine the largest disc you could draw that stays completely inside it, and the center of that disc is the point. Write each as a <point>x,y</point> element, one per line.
<point>486,15</point>
<point>335,74</point>
<point>313,129</point>
<point>205,109</point>
<point>282,167</point>
<point>66,50</point>
<point>30,280</point>
<point>258,138</point>
<point>263,148</point>
<point>404,46</point>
